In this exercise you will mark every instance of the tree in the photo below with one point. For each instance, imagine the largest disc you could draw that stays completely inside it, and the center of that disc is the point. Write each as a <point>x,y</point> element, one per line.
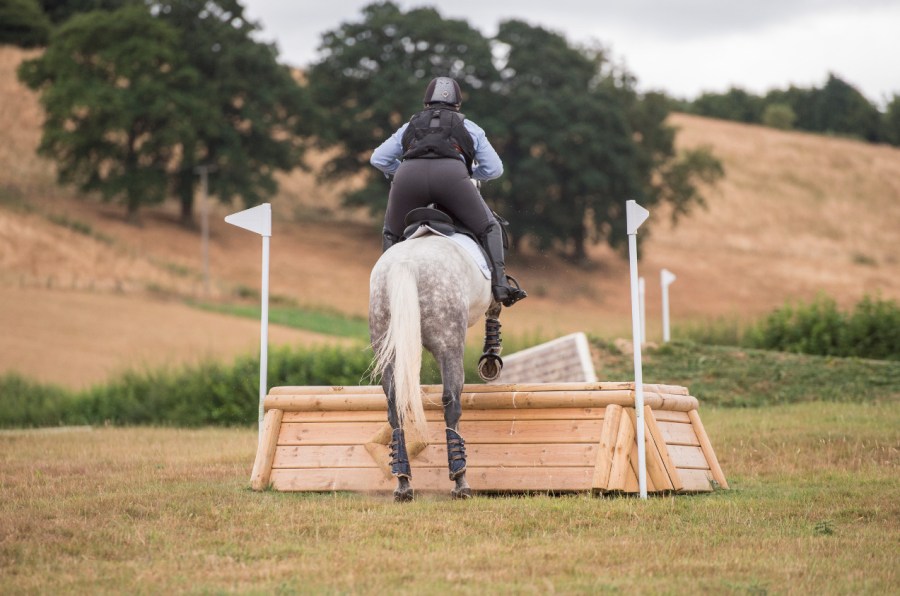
<point>116,96</point>
<point>253,113</point>
<point>576,139</point>
<point>59,11</point>
<point>372,76</point>
<point>841,108</point>
<point>891,125</point>
<point>735,104</point>
<point>22,23</point>
<point>779,115</point>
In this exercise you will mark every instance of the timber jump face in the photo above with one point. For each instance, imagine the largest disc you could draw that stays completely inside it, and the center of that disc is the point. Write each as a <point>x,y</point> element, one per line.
<point>556,437</point>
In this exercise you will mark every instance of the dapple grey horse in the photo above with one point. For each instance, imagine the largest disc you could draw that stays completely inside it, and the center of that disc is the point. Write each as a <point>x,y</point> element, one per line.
<point>426,291</point>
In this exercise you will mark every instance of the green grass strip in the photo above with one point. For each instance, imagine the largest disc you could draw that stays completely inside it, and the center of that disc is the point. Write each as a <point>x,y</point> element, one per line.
<point>310,320</point>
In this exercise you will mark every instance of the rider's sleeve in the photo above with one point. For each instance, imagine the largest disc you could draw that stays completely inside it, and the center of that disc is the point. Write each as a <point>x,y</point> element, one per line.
<point>386,156</point>
<point>488,165</point>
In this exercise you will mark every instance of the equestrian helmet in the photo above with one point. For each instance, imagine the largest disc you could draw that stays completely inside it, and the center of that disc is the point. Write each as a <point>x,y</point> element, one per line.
<point>443,90</point>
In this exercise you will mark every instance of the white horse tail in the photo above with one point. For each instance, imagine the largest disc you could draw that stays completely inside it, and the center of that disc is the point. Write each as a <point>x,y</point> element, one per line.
<point>402,345</point>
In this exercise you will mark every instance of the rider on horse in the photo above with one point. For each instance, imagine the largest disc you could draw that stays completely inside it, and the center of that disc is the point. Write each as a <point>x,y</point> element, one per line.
<point>431,159</point>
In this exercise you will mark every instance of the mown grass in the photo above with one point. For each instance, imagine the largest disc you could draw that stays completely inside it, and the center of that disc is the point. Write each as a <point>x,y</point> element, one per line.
<point>814,508</point>
<point>754,378</point>
<point>310,320</point>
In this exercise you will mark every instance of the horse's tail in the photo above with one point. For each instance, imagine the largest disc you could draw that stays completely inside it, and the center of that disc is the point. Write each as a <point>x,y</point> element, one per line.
<point>401,345</point>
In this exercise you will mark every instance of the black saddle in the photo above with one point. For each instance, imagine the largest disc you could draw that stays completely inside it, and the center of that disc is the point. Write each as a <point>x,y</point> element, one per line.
<point>436,219</point>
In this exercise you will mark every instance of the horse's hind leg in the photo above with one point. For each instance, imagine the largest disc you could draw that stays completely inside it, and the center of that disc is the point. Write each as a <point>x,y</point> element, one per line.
<point>399,458</point>
<point>452,378</point>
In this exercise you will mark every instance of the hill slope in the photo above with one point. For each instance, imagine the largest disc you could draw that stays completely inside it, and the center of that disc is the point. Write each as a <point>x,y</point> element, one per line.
<point>796,214</point>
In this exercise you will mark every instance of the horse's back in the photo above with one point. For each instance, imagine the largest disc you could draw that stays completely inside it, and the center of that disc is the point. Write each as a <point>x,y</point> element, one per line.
<point>447,276</point>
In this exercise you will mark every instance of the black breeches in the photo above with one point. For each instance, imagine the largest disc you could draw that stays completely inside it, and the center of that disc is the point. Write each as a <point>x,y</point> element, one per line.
<point>419,182</point>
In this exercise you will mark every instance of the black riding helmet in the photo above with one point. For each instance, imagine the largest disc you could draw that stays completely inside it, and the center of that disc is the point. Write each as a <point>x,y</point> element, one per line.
<point>443,90</point>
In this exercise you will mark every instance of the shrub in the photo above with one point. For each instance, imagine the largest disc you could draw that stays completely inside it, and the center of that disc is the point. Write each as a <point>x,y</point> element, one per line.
<point>872,330</point>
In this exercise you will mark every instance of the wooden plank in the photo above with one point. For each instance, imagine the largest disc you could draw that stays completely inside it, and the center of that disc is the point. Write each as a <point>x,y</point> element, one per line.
<point>696,481</point>
<point>675,433</point>
<point>662,416</point>
<point>434,479</point>
<point>706,446</point>
<point>624,445</point>
<point>265,452</point>
<point>509,456</point>
<point>684,456</point>
<point>657,477</point>
<point>606,447</point>
<point>662,449</point>
<point>633,463</point>
<point>338,433</point>
<point>323,456</point>
<point>475,431</point>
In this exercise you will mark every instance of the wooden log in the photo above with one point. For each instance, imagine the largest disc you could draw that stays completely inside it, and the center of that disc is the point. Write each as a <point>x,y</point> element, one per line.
<point>621,452</point>
<point>659,415</point>
<point>706,446</point>
<point>662,449</point>
<point>606,447</point>
<point>468,388</point>
<point>265,452</point>
<point>485,401</point>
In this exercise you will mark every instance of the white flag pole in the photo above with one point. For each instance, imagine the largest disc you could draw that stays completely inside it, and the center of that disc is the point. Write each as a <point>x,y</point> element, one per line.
<point>259,220</point>
<point>642,291</point>
<point>666,278</point>
<point>635,216</point>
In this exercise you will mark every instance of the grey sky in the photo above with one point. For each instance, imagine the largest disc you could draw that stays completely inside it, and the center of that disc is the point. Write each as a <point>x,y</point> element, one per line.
<point>684,47</point>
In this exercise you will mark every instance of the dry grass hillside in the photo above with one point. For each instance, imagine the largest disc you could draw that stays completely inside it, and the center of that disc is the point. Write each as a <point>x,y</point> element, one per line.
<point>83,294</point>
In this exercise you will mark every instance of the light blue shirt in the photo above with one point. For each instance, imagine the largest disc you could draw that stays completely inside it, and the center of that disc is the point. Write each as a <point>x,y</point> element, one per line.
<point>486,166</point>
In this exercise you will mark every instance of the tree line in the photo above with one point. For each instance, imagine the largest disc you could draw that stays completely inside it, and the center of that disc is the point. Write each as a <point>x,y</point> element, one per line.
<point>836,107</point>
<point>140,93</point>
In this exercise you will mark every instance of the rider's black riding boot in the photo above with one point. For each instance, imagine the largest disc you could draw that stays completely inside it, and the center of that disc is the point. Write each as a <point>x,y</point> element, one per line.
<point>504,293</point>
<point>388,240</point>
<point>399,458</point>
<point>456,454</point>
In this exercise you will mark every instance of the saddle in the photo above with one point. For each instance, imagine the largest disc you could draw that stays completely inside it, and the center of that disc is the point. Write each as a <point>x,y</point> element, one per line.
<point>436,218</point>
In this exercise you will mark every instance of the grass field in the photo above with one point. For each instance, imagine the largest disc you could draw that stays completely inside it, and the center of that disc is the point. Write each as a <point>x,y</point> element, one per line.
<point>814,508</point>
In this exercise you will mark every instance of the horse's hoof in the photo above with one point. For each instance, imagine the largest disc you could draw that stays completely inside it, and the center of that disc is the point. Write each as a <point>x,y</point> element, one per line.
<point>461,493</point>
<point>402,495</point>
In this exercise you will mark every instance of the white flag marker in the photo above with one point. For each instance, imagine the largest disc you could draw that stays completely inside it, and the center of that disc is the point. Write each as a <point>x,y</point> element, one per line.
<point>635,216</point>
<point>642,295</point>
<point>259,221</point>
<point>666,278</point>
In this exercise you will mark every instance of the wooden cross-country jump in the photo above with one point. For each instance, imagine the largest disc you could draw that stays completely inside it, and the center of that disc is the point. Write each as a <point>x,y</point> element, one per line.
<point>521,437</point>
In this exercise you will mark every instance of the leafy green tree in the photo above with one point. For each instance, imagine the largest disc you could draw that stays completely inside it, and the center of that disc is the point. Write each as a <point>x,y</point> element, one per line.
<point>779,115</point>
<point>891,121</point>
<point>59,11</point>
<point>841,108</point>
<point>116,96</point>
<point>371,78</point>
<point>735,104</point>
<point>575,138</point>
<point>252,112</point>
<point>23,24</point>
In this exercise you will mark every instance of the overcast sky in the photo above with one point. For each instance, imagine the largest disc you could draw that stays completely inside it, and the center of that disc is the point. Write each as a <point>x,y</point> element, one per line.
<point>684,47</point>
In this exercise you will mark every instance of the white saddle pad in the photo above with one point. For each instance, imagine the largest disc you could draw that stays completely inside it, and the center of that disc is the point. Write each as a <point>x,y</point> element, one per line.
<point>464,241</point>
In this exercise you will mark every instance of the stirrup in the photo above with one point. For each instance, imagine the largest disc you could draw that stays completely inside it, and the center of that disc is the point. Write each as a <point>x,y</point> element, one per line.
<point>509,294</point>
